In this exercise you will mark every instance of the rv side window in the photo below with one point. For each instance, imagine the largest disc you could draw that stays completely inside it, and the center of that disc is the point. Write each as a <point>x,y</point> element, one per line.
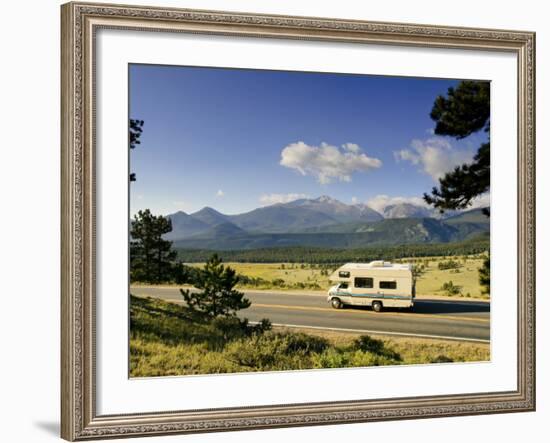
<point>388,285</point>
<point>343,274</point>
<point>343,286</point>
<point>363,282</point>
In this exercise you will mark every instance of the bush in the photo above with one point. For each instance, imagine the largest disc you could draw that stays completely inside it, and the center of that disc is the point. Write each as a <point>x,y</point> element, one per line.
<point>226,329</point>
<point>276,351</point>
<point>300,342</point>
<point>418,270</point>
<point>332,358</point>
<point>263,326</point>
<point>448,264</point>
<point>451,289</point>
<point>338,358</point>
<point>442,359</point>
<point>366,343</point>
<point>278,282</point>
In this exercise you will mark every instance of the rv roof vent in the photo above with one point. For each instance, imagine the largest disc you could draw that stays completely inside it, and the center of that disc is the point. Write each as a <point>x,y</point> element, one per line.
<point>377,263</point>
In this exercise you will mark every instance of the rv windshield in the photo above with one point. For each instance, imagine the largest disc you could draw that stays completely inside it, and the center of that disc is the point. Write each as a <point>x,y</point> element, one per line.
<point>343,286</point>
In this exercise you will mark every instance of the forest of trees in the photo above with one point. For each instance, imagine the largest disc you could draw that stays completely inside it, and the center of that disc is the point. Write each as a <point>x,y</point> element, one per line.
<point>339,256</point>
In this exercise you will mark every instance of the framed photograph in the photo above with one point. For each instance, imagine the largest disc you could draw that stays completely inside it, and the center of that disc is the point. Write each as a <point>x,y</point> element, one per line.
<point>275,221</point>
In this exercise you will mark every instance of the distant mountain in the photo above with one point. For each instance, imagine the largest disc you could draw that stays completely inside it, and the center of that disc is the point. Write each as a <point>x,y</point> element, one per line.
<point>210,216</point>
<point>184,225</point>
<point>367,213</point>
<point>406,210</point>
<point>471,216</point>
<point>337,210</point>
<point>201,222</point>
<point>221,230</point>
<point>281,218</point>
<point>322,221</point>
<point>384,232</point>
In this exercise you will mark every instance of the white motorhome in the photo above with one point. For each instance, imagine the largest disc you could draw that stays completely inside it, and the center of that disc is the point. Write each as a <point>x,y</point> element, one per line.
<point>377,284</point>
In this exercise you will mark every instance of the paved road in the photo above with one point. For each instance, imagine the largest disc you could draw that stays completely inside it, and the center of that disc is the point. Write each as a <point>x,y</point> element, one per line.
<point>433,318</point>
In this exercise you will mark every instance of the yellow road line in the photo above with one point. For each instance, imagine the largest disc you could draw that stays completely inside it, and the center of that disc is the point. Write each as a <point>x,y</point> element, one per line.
<point>378,314</point>
<point>346,311</point>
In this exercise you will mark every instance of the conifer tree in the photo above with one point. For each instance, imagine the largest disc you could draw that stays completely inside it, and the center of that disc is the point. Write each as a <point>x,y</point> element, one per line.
<point>464,111</point>
<point>485,275</point>
<point>134,135</point>
<point>217,296</point>
<point>151,256</point>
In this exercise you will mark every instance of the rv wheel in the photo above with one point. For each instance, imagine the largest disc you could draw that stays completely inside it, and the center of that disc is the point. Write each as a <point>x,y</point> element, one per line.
<point>376,306</point>
<point>336,303</point>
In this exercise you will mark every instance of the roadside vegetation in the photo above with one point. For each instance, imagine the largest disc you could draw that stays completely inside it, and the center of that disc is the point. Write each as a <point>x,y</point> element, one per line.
<point>171,339</point>
<point>457,276</point>
<point>204,335</point>
<point>431,279</point>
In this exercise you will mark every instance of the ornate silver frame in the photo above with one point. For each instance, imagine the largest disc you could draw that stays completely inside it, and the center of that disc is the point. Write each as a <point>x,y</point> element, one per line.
<point>80,21</point>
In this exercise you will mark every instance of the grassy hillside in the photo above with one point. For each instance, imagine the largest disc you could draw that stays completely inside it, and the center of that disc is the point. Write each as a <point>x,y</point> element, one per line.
<point>167,339</point>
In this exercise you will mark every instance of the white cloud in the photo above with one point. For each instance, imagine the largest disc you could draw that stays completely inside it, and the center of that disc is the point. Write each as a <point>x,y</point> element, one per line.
<point>351,147</point>
<point>326,162</point>
<point>220,193</point>
<point>407,155</point>
<point>481,201</point>
<point>435,156</point>
<point>271,199</point>
<point>379,202</point>
<point>354,200</point>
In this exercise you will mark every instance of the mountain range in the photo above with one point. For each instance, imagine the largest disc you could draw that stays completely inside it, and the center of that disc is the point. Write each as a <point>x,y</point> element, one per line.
<point>323,222</point>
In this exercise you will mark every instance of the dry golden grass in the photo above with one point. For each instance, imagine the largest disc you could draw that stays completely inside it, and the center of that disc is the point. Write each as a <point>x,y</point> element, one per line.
<point>166,339</point>
<point>467,277</point>
<point>289,272</point>
<point>415,350</point>
<point>428,284</point>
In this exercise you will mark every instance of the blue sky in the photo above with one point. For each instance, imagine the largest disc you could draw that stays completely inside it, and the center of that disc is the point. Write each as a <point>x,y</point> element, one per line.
<point>238,139</point>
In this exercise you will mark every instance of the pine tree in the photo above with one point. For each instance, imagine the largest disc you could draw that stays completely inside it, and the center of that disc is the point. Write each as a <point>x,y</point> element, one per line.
<point>151,256</point>
<point>217,296</point>
<point>134,134</point>
<point>464,111</point>
<point>485,275</point>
